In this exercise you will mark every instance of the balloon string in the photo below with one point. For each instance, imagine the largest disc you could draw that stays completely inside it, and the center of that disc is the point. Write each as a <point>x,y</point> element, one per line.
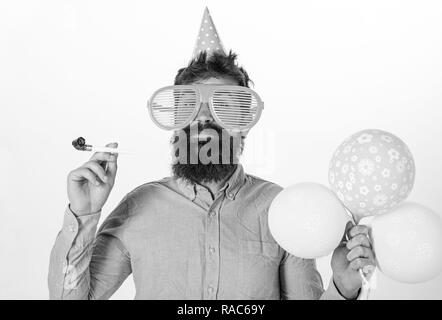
<point>365,282</point>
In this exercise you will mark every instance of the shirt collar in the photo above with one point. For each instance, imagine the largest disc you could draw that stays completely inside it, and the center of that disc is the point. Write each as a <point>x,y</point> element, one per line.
<point>231,187</point>
<point>235,182</point>
<point>187,188</point>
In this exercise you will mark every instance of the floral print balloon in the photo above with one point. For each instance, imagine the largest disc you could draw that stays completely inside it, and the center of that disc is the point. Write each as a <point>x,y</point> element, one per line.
<point>371,172</point>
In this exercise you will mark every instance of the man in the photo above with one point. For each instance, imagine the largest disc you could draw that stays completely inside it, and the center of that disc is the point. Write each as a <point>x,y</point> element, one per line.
<point>200,234</point>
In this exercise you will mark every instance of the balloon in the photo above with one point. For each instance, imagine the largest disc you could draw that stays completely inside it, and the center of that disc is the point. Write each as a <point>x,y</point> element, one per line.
<point>307,220</point>
<point>407,242</point>
<point>371,172</point>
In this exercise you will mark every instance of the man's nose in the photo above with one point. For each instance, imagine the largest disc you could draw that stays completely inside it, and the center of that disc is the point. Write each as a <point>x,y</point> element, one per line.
<point>204,115</point>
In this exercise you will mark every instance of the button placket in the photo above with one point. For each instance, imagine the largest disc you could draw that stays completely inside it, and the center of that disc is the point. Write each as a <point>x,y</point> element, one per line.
<point>212,259</point>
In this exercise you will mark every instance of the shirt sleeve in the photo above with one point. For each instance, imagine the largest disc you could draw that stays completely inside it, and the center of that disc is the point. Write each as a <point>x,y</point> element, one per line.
<point>83,266</point>
<point>300,280</point>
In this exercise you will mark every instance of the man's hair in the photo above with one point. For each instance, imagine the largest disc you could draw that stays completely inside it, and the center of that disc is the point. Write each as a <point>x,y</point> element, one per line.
<point>216,65</point>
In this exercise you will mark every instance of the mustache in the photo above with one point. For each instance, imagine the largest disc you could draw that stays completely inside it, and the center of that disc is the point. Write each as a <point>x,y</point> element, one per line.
<point>199,127</point>
<point>203,126</point>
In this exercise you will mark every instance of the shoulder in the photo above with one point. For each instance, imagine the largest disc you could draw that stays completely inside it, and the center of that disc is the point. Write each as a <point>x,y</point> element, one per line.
<point>255,198</point>
<point>149,191</point>
<point>256,195</point>
<point>262,189</point>
<point>262,183</point>
<point>140,199</point>
<point>141,195</point>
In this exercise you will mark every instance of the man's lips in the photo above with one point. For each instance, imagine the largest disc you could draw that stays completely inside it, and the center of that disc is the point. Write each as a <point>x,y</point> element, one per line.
<point>204,132</point>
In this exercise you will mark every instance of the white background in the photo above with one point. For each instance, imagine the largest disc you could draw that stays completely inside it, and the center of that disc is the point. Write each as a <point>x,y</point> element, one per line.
<point>325,70</point>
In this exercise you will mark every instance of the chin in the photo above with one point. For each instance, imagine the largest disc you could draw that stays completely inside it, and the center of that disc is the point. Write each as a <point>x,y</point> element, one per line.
<point>203,173</point>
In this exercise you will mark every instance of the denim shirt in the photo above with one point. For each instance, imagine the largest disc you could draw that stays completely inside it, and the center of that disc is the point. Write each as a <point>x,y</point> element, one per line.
<point>179,242</point>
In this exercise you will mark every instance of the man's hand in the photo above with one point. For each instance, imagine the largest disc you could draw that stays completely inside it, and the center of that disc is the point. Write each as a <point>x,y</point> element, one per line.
<point>89,186</point>
<point>351,256</point>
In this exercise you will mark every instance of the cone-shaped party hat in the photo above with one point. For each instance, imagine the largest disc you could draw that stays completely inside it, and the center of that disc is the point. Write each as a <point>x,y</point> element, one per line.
<point>208,39</point>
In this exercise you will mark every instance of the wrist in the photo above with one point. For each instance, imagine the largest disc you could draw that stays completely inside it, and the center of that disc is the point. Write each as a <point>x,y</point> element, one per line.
<point>80,213</point>
<point>351,294</point>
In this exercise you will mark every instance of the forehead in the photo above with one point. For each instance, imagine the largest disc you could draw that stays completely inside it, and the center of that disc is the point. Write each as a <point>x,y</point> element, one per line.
<point>222,80</point>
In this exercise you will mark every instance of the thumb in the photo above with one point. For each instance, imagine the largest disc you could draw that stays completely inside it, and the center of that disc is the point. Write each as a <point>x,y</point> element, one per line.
<point>112,165</point>
<point>112,145</point>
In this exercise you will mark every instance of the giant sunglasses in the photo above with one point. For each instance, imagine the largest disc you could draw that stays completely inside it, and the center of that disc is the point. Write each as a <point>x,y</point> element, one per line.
<point>232,107</point>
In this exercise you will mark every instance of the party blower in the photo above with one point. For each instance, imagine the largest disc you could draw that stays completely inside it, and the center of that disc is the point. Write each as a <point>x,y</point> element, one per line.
<point>80,144</point>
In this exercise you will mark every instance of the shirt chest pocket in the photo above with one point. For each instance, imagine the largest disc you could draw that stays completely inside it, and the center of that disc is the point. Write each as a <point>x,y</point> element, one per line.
<point>259,269</point>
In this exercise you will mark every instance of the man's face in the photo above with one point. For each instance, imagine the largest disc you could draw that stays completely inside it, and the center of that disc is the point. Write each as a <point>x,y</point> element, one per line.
<point>204,151</point>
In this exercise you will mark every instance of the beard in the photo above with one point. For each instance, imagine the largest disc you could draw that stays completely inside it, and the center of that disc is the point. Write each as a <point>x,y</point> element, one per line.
<point>218,164</point>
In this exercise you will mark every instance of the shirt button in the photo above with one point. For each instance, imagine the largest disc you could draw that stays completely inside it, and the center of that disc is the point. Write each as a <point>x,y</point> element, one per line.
<point>230,195</point>
<point>212,213</point>
<point>210,289</point>
<point>71,228</point>
<point>211,250</point>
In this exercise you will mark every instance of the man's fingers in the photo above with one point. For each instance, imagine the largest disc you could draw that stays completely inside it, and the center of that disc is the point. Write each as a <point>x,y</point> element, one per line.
<point>358,229</point>
<point>112,145</point>
<point>103,156</point>
<point>107,159</point>
<point>106,156</point>
<point>367,269</point>
<point>362,263</point>
<point>360,252</point>
<point>83,173</point>
<point>348,227</point>
<point>358,240</point>
<point>97,169</point>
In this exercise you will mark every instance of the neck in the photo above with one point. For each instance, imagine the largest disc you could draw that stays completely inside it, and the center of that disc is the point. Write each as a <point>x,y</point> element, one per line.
<point>214,187</point>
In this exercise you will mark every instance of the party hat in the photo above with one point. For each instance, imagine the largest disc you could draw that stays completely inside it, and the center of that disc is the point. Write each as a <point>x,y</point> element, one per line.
<point>208,39</point>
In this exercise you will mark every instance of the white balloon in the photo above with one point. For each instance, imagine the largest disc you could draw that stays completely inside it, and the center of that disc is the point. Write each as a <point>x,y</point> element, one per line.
<point>307,220</point>
<point>371,172</point>
<point>407,242</point>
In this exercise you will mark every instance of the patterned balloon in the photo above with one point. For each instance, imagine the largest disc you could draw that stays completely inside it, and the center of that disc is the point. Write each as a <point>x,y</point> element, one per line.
<point>408,243</point>
<point>371,172</point>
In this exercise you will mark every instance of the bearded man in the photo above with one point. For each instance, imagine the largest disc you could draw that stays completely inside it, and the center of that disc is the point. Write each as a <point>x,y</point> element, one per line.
<point>201,233</point>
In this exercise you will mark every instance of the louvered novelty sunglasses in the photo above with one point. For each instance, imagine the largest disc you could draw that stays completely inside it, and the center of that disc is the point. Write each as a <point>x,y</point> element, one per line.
<point>232,107</point>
